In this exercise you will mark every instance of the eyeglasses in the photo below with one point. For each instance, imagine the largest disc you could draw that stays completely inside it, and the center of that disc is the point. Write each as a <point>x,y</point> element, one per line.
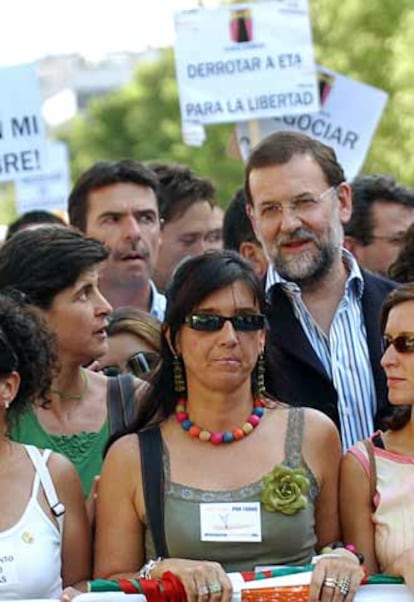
<point>395,239</point>
<point>214,322</point>
<point>138,364</point>
<point>299,207</point>
<point>403,343</point>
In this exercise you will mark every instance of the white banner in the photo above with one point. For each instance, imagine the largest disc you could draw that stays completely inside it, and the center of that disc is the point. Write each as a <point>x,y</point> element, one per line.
<point>50,189</point>
<point>242,61</point>
<point>22,131</point>
<point>349,115</point>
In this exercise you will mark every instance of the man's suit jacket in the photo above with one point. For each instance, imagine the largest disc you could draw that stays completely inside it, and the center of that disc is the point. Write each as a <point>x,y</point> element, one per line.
<point>294,372</point>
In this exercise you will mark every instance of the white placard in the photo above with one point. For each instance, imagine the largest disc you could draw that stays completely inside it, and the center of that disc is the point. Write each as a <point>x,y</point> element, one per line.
<point>50,189</point>
<point>350,112</point>
<point>22,130</point>
<point>242,61</point>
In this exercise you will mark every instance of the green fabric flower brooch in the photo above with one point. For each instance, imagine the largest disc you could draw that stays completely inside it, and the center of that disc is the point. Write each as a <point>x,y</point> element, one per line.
<point>285,489</point>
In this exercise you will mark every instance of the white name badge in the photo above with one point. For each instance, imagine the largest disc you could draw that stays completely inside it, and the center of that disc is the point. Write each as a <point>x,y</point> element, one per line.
<point>228,521</point>
<point>8,566</point>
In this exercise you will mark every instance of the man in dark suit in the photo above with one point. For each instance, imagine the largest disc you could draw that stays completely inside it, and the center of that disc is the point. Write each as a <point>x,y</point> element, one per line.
<point>324,343</point>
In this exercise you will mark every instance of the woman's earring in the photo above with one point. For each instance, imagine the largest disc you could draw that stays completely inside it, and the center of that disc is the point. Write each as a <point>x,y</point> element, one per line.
<point>261,387</point>
<point>178,375</point>
<point>6,405</point>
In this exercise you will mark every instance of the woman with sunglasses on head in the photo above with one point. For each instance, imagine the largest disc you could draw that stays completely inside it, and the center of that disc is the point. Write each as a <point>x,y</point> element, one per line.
<point>377,475</point>
<point>45,542</point>
<point>58,271</point>
<point>220,477</point>
<point>134,340</point>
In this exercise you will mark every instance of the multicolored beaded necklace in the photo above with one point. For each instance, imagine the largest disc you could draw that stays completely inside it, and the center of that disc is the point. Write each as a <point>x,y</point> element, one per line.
<point>218,437</point>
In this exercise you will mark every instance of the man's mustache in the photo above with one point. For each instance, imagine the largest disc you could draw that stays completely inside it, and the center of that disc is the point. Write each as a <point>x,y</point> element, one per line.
<point>299,234</point>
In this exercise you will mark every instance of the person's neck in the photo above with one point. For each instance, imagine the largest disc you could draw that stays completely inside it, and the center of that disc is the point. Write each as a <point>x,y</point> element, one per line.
<point>402,441</point>
<point>323,296</point>
<point>7,447</point>
<point>137,296</point>
<point>69,387</point>
<point>160,280</point>
<point>329,286</point>
<point>218,410</point>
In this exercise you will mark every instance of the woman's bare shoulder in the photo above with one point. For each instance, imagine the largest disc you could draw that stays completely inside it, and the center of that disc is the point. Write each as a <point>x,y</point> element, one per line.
<point>127,446</point>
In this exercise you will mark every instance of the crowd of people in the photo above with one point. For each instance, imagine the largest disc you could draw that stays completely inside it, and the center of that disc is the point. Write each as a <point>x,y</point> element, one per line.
<point>187,393</point>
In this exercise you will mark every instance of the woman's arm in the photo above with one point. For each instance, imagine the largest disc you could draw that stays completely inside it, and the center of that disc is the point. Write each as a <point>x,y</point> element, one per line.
<point>119,543</point>
<point>76,539</point>
<point>322,451</point>
<point>119,536</point>
<point>356,510</point>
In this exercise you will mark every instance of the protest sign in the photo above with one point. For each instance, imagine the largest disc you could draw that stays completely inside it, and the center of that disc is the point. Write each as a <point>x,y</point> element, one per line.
<point>50,189</point>
<point>22,131</point>
<point>241,61</point>
<point>350,112</point>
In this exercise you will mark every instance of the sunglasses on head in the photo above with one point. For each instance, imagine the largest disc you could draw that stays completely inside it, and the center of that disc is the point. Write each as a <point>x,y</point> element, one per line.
<point>138,364</point>
<point>213,322</point>
<point>403,343</point>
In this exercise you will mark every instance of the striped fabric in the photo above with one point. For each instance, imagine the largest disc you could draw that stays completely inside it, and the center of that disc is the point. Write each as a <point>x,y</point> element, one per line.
<point>343,353</point>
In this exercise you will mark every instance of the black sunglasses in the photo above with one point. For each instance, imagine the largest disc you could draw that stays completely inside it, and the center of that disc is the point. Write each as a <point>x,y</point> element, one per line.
<point>138,364</point>
<point>403,343</point>
<point>214,322</point>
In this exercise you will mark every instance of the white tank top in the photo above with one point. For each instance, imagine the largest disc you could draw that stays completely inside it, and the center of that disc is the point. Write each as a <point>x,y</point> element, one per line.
<point>30,551</point>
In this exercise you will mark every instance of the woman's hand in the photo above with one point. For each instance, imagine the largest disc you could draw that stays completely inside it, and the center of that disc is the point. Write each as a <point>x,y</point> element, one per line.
<point>336,578</point>
<point>203,581</point>
<point>403,566</point>
<point>69,593</point>
<point>90,501</point>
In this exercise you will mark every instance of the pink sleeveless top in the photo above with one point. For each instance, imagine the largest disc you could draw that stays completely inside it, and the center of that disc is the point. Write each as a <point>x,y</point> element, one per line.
<point>394,502</point>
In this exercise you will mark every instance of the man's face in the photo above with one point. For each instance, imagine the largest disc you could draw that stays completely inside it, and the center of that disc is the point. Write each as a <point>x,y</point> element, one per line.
<point>185,236</point>
<point>125,217</point>
<point>390,221</point>
<point>298,218</point>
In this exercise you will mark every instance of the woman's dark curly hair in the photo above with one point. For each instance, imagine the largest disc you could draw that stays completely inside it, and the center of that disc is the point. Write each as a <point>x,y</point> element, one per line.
<point>27,347</point>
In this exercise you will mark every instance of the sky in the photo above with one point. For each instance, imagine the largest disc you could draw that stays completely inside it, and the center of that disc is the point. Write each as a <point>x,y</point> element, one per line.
<point>93,28</point>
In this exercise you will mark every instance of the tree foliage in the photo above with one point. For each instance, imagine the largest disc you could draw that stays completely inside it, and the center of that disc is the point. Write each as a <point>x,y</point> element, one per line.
<point>369,41</point>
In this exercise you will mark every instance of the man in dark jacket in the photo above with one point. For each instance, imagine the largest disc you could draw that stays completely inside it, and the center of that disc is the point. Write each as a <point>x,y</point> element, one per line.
<point>324,344</point>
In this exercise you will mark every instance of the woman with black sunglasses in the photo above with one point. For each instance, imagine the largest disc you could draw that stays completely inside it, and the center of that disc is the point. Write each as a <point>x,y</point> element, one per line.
<point>220,477</point>
<point>377,475</point>
<point>134,339</point>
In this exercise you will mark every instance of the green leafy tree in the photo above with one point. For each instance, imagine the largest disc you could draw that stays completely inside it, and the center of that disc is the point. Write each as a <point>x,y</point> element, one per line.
<point>372,42</point>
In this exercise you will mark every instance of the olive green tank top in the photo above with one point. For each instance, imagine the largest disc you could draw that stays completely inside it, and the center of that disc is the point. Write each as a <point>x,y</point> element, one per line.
<point>286,539</point>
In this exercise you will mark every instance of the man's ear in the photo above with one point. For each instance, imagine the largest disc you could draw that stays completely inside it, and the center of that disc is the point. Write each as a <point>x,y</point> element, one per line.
<point>344,193</point>
<point>253,252</point>
<point>9,386</point>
